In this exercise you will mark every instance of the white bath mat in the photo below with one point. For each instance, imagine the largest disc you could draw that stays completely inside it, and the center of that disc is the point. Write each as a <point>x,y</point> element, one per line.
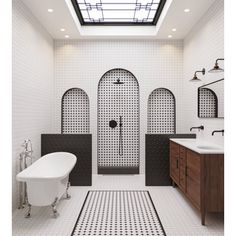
<point>118,213</point>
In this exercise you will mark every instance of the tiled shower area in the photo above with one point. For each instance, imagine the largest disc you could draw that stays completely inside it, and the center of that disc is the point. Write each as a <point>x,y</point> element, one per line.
<point>118,147</point>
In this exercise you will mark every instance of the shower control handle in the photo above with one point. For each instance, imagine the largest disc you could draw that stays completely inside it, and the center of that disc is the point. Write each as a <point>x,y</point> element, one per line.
<point>112,124</point>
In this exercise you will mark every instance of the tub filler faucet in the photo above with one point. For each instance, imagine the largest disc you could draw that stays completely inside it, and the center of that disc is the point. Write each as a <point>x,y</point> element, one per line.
<point>26,156</point>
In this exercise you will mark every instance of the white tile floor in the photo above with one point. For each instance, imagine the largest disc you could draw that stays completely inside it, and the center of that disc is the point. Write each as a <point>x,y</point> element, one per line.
<point>177,215</point>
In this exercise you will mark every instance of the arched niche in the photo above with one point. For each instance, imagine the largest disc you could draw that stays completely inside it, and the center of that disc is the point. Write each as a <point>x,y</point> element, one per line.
<point>161,112</point>
<point>75,112</point>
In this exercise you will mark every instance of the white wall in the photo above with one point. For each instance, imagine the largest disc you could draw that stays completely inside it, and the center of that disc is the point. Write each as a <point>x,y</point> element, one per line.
<point>203,45</point>
<point>32,84</point>
<point>154,63</point>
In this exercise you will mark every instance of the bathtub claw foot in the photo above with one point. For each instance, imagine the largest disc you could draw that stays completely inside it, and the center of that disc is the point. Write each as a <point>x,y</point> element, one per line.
<point>54,208</point>
<point>55,214</point>
<point>28,214</point>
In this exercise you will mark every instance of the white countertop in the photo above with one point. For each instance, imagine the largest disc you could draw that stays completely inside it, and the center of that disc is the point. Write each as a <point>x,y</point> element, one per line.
<point>201,147</point>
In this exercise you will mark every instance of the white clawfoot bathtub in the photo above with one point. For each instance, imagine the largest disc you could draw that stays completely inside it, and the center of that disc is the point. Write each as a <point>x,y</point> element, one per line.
<point>47,178</point>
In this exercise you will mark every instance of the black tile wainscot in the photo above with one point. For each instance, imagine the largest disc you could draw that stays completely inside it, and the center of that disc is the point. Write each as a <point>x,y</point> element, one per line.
<point>157,167</point>
<point>78,144</point>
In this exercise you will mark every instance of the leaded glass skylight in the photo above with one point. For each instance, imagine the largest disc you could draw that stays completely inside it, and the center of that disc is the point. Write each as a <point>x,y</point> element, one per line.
<point>118,12</point>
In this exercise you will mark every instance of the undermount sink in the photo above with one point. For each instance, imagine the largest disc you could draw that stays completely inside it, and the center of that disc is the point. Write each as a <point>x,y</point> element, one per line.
<point>206,147</point>
<point>188,140</point>
<point>199,146</point>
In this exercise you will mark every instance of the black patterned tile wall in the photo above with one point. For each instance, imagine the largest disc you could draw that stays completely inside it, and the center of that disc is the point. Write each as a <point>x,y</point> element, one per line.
<point>161,112</point>
<point>75,112</point>
<point>207,103</point>
<point>119,102</point>
<point>78,144</point>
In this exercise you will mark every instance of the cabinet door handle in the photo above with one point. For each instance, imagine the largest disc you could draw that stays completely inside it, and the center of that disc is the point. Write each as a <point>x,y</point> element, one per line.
<point>186,173</point>
<point>177,164</point>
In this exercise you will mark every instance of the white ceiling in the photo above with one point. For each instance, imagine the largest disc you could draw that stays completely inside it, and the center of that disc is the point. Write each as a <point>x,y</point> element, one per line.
<point>173,16</point>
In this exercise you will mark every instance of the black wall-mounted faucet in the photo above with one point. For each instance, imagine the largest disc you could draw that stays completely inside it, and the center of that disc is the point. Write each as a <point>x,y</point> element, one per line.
<point>199,128</point>
<point>218,131</point>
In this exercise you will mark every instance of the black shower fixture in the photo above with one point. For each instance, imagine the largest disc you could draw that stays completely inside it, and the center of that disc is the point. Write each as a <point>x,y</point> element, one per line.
<point>195,78</point>
<point>121,137</point>
<point>118,81</point>
<point>112,123</point>
<point>216,67</point>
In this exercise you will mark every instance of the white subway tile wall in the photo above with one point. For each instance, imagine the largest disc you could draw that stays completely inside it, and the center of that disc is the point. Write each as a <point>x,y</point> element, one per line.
<point>32,81</point>
<point>203,45</point>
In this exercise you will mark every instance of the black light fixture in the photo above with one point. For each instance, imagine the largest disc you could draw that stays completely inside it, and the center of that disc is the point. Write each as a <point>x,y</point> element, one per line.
<point>216,67</point>
<point>195,78</point>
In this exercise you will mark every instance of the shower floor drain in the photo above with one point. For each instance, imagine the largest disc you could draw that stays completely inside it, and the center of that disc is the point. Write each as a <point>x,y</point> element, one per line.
<point>118,213</point>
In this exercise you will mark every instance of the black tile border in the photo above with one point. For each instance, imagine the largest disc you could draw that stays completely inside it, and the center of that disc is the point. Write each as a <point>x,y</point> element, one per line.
<point>80,212</point>
<point>118,170</point>
<point>156,213</point>
<point>85,200</point>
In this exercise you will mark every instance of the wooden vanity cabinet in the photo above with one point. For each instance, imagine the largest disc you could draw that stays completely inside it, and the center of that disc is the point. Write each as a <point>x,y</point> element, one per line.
<point>174,162</point>
<point>182,168</point>
<point>199,176</point>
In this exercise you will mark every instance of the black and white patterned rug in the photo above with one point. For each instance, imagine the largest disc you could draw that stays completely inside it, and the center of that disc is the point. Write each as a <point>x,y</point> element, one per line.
<point>118,213</point>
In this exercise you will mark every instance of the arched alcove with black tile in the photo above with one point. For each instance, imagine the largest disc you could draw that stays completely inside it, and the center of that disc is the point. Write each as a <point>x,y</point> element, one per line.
<point>161,112</point>
<point>118,106</point>
<point>75,112</point>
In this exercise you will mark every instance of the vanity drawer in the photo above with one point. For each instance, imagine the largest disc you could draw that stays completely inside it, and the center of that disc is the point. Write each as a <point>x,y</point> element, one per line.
<point>193,191</point>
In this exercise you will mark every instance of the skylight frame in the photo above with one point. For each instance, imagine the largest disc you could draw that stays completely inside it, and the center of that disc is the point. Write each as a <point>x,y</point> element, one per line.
<point>84,23</point>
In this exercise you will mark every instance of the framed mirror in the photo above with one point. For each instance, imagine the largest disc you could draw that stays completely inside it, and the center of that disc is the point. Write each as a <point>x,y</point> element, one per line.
<point>211,100</point>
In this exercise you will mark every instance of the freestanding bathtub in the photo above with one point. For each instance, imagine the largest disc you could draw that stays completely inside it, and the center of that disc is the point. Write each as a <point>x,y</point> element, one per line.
<point>47,179</point>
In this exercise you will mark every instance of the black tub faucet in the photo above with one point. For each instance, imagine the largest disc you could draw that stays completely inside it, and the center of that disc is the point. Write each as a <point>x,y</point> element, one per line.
<point>199,128</point>
<point>218,131</point>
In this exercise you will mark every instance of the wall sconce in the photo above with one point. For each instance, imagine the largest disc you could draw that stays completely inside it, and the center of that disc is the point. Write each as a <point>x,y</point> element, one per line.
<point>216,67</point>
<point>195,78</point>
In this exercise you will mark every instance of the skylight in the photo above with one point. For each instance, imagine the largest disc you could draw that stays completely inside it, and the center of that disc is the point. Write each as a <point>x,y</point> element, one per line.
<point>118,12</point>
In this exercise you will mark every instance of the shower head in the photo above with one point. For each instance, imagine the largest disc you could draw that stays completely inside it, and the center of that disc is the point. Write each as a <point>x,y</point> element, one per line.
<point>118,81</point>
